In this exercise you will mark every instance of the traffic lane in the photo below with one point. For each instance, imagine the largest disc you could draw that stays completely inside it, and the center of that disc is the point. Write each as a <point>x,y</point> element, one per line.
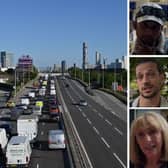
<point>41,155</point>
<point>106,100</point>
<point>91,141</point>
<point>109,134</point>
<point>110,116</point>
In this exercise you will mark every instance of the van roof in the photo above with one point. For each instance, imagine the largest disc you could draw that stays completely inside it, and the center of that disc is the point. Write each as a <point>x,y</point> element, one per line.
<point>17,140</point>
<point>27,117</point>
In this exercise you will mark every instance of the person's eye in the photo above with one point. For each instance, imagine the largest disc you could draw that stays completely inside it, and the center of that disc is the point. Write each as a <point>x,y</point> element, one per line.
<point>140,135</point>
<point>139,77</point>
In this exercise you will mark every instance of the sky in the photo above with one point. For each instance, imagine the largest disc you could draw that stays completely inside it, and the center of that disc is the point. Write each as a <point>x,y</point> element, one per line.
<point>54,30</point>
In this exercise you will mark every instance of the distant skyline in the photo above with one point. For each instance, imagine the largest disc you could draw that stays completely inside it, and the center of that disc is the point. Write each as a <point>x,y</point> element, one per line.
<point>53,30</point>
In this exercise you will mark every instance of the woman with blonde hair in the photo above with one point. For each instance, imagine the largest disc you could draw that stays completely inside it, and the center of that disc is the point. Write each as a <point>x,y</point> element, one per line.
<point>149,141</point>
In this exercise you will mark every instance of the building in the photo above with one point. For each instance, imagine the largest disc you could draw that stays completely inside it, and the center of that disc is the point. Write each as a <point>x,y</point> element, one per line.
<point>6,59</point>
<point>118,64</point>
<point>85,56</point>
<point>63,66</point>
<point>98,58</point>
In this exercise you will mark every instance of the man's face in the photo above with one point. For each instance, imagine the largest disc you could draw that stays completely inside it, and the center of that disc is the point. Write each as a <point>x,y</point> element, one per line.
<point>149,80</point>
<point>148,32</point>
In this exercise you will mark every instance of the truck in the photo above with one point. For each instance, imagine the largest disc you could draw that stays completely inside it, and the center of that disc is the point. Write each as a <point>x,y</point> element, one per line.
<point>27,125</point>
<point>18,152</point>
<point>3,138</point>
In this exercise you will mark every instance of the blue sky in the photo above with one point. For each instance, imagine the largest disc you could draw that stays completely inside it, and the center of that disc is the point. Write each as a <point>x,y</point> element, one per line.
<point>54,30</point>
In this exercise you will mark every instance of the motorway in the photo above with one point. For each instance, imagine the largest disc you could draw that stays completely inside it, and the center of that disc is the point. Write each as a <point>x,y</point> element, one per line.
<point>103,130</point>
<point>41,156</point>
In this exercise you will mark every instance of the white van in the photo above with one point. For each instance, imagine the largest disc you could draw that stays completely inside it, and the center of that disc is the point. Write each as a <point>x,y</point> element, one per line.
<point>27,126</point>
<point>3,138</point>
<point>18,151</point>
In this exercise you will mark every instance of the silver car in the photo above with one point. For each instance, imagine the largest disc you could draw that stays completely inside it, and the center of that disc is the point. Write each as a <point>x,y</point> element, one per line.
<point>56,139</point>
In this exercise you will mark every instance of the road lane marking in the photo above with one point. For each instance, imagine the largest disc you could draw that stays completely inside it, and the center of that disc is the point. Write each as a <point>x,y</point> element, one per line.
<point>95,110</point>
<point>108,122</point>
<point>79,109</point>
<point>42,133</point>
<point>37,165</point>
<point>89,121</point>
<point>113,112</point>
<point>84,115</point>
<point>105,142</point>
<point>118,131</point>
<point>97,132</point>
<point>100,115</point>
<point>115,155</point>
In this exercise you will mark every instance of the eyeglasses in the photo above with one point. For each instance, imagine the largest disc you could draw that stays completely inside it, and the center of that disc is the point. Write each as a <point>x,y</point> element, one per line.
<point>151,11</point>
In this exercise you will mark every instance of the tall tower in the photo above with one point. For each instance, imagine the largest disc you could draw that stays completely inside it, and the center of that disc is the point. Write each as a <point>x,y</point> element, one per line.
<point>85,56</point>
<point>6,59</point>
<point>98,58</point>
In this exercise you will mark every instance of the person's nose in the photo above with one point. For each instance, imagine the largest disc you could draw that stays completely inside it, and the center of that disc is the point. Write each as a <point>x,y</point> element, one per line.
<point>148,138</point>
<point>145,79</point>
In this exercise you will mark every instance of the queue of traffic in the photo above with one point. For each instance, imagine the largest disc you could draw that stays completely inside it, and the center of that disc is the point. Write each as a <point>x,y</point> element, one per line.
<point>39,104</point>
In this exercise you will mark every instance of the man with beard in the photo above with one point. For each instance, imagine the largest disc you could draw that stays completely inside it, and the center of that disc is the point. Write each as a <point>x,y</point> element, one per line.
<point>148,24</point>
<point>150,78</point>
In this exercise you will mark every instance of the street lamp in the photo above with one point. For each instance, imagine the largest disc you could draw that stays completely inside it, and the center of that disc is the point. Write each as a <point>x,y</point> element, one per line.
<point>15,81</point>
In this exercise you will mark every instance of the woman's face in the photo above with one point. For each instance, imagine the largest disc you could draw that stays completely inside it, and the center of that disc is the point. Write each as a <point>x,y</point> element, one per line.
<point>150,142</point>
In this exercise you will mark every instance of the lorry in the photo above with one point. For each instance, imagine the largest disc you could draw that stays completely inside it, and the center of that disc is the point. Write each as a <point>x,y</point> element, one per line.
<point>3,138</point>
<point>18,151</point>
<point>27,126</point>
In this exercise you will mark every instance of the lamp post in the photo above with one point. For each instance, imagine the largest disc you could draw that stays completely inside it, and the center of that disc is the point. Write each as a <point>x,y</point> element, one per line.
<point>15,81</point>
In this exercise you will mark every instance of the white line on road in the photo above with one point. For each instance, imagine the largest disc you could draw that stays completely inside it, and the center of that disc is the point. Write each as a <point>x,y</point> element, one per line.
<point>95,110</point>
<point>105,142</point>
<point>113,112</point>
<point>96,130</point>
<point>118,131</point>
<point>37,165</point>
<point>79,109</point>
<point>119,160</point>
<point>42,133</point>
<point>89,121</point>
<point>100,115</point>
<point>84,115</point>
<point>108,122</point>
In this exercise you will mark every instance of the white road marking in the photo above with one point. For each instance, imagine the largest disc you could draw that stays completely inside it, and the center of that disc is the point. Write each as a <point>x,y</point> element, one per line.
<point>115,155</point>
<point>84,115</point>
<point>113,112</point>
<point>118,131</point>
<point>79,109</point>
<point>42,133</point>
<point>108,122</point>
<point>105,142</point>
<point>97,132</point>
<point>37,165</point>
<point>95,110</point>
<point>100,115</point>
<point>89,121</point>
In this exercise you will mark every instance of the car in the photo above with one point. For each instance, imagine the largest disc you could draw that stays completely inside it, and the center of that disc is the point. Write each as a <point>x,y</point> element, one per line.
<point>56,139</point>
<point>82,103</point>
<point>10,104</point>
<point>8,128</point>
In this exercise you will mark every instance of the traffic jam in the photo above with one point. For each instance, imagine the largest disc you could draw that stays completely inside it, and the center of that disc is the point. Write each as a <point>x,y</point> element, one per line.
<point>20,120</point>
